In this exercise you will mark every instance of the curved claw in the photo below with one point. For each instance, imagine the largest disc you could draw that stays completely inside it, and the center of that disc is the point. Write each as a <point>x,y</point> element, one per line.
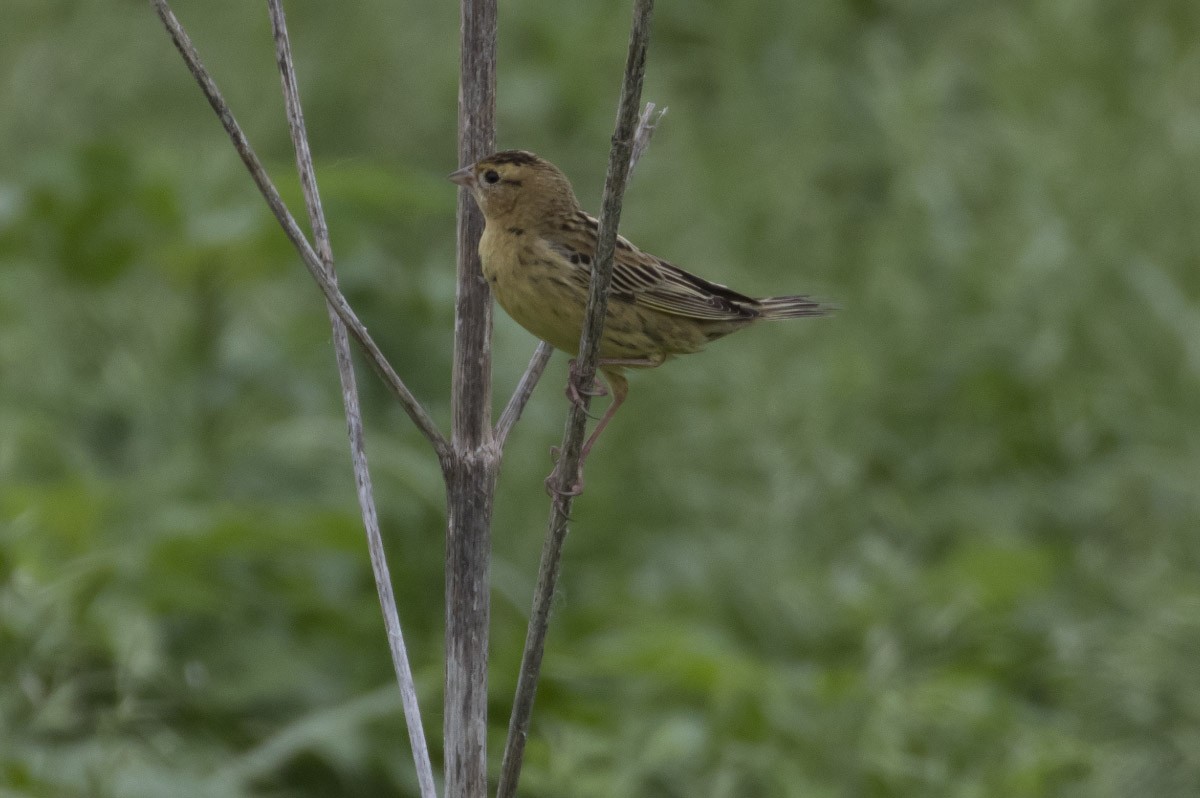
<point>575,487</point>
<point>574,394</point>
<point>573,490</point>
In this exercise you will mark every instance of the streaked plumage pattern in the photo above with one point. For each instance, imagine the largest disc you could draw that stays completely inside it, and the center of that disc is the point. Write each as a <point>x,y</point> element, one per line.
<point>537,249</point>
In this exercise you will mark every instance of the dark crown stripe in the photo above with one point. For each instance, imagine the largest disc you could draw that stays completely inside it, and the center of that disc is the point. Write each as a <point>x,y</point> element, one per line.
<point>515,157</point>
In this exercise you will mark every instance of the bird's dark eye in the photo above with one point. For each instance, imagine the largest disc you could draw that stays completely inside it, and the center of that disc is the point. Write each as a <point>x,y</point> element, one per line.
<point>492,176</point>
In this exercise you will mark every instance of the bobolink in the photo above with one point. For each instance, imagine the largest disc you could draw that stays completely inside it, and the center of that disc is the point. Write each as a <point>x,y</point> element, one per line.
<point>537,249</point>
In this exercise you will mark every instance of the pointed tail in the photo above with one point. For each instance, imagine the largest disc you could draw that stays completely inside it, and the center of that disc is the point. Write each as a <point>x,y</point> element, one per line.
<point>792,307</point>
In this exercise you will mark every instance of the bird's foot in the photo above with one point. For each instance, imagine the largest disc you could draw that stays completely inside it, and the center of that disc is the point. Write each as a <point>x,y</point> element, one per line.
<point>570,491</point>
<point>574,394</point>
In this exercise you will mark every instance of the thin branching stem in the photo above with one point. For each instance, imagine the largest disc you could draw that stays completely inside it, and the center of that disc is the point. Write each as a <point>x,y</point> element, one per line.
<point>524,390</point>
<point>416,411</point>
<point>345,364</point>
<point>589,348</point>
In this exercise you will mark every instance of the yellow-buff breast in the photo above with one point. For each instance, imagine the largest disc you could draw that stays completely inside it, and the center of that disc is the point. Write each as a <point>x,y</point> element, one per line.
<point>536,287</point>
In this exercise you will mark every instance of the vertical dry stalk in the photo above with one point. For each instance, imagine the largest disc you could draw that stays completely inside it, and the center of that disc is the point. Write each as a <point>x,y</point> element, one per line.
<point>620,156</point>
<point>345,364</point>
<point>474,458</point>
<point>343,319</point>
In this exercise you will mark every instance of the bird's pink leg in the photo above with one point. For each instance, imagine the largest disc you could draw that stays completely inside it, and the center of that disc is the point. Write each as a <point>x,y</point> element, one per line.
<point>620,390</point>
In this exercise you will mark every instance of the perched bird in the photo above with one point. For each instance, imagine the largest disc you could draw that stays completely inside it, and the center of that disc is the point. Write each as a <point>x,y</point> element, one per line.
<point>537,249</point>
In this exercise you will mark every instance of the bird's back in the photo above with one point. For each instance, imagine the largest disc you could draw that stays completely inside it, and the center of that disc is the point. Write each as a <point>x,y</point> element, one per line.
<point>537,251</point>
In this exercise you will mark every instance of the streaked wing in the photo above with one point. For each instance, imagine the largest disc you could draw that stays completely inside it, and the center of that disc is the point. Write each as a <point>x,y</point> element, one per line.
<point>646,280</point>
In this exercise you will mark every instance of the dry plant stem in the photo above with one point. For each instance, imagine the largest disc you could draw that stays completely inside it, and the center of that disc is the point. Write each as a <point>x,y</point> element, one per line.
<point>647,124</point>
<point>474,458</point>
<point>585,373</point>
<point>524,390</point>
<point>358,453</point>
<point>312,261</point>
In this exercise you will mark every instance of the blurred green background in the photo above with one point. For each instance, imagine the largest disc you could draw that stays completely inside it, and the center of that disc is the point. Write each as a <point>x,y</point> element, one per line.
<point>945,543</point>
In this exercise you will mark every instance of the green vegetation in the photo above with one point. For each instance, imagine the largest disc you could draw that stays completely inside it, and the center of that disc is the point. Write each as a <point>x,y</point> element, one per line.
<point>946,543</point>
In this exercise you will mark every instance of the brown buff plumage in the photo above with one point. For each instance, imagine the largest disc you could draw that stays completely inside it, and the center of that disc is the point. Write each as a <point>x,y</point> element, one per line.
<point>537,249</point>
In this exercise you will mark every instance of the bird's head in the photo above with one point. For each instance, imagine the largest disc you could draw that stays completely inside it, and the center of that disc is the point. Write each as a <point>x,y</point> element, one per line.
<point>517,187</point>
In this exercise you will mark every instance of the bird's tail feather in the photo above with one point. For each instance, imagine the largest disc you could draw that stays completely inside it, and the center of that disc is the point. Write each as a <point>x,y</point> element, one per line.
<point>792,307</point>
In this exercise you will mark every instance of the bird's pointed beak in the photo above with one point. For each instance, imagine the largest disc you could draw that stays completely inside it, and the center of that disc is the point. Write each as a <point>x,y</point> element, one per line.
<point>465,177</point>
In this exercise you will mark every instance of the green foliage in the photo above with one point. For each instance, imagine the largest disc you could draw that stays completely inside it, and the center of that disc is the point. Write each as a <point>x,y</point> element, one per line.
<point>944,544</point>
